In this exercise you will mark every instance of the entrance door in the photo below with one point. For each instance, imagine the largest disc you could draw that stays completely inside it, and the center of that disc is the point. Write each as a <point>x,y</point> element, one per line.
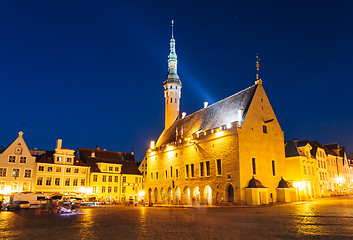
<point>230,193</point>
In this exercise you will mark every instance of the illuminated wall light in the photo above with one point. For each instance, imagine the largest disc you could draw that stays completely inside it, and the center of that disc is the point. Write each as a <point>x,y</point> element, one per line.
<point>301,185</point>
<point>169,148</point>
<point>189,139</point>
<point>229,125</point>
<point>220,128</point>
<point>152,145</point>
<point>205,104</point>
<point>219,134</point>
<point>204,133</point>
<point>212,131</point>
<point>183,114</point>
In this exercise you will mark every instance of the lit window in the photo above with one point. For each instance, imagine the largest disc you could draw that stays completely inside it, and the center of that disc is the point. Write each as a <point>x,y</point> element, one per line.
<point>39,181</point>
<point>219,167</point>
<point>103,189</point>
<point>28,173</point>
<point>74,183</point>
<point>95,178</point>
<point>12,159</point>
<point>83,182</point>
<point>2,186</point>
<point>116,178</point>
<point>208,168</point>
<point>67,182</point>
<point>23,159</point>
<point>57,181</point>
<point>110,178</point>
<point>50,169</point>
<point>201,169</point>
<point>15,172</point>
<point>109,189</point>
<point>59,159</point>
<point>48,181</point>
<point>94,189</point>
<point>3,172</point>
<point>104,179</point>
<point>124,179</point>
<point>305,170</point>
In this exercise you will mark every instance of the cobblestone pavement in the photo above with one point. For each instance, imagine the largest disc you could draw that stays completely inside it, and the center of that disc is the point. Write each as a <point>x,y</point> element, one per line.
<point>330,218</point>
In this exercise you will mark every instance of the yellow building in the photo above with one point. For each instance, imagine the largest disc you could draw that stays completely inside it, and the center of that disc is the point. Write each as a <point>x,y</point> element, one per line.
<point>61,172</point>
<point>17,168</point>
<point>231,150</point>
<point>301,168</point>
<point>114,175</point>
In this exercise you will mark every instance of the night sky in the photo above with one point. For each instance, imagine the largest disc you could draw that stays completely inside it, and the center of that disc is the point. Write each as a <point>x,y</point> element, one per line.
<point>91,72</point>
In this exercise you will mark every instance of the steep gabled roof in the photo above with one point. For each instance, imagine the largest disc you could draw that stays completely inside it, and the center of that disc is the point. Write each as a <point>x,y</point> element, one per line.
<point>213,116</point>
<point>127,160</point>
<point>291,149</point>
<point>85,153</point>
<point>49,158</point>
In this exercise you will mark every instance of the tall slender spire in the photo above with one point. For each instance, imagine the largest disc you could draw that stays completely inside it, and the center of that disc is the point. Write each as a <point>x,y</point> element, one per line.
<point>172,86</point>
<point>172,29</point>
<point>258,79</point>
<point>172,60</point>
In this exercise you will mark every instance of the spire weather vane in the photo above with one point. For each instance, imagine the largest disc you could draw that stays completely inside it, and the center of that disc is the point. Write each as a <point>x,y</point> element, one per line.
<point>257,66</point>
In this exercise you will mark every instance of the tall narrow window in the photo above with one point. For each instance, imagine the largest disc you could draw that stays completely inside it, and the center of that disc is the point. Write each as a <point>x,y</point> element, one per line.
<point>219,167</point>
<point>253,166</point>
<point>176,173</point>
<point>273,168</point>
<point>166,174</point>
<point>192,170</point>
<point>264,128</point>
<point>207,168</point>
<point>187,171</point>
<point>156,175</point>
<point>171,100</point>
<point>201,169</point>
<point>151,175</point>
<point>171,172</point>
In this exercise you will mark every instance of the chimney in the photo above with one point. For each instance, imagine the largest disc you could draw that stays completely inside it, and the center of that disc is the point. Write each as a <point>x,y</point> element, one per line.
<point>59,143</point>
<point>97,147</point>
<point>205,104</point>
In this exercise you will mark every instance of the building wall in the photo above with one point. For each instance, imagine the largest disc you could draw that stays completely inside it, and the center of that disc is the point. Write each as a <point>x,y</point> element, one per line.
<point>17,183</point>
<point>235,147</point>
<point>49,172</point>
<point>264,147</point>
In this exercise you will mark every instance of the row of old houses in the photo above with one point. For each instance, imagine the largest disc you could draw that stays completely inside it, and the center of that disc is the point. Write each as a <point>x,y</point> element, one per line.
<point>92,174</point>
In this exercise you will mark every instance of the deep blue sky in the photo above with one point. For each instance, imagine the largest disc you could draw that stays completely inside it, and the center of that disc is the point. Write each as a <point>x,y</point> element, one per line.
<point>91,72</point>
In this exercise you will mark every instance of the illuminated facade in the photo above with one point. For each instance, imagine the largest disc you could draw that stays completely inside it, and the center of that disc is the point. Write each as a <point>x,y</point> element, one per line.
<point>302,169</point>
<point>17,167</point>
<point>114,175</point>
<point>61,172</point>
<point>231,150</point>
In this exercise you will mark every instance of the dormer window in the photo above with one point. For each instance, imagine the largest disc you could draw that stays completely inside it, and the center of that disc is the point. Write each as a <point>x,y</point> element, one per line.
<point>59,159</point>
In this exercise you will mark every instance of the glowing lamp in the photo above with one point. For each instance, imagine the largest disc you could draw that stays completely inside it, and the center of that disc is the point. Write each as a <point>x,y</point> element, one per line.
<point>152,145</point>
<point>205,104</point>
<point>183,114</point>
<point>299,184</point>
<point>229,125</point>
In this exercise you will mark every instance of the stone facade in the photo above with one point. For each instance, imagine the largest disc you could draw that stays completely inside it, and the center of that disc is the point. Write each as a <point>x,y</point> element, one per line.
<point>211,155</point>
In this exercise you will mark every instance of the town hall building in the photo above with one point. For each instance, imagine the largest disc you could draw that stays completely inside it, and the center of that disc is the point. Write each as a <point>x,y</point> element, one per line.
<point>232,150</point>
